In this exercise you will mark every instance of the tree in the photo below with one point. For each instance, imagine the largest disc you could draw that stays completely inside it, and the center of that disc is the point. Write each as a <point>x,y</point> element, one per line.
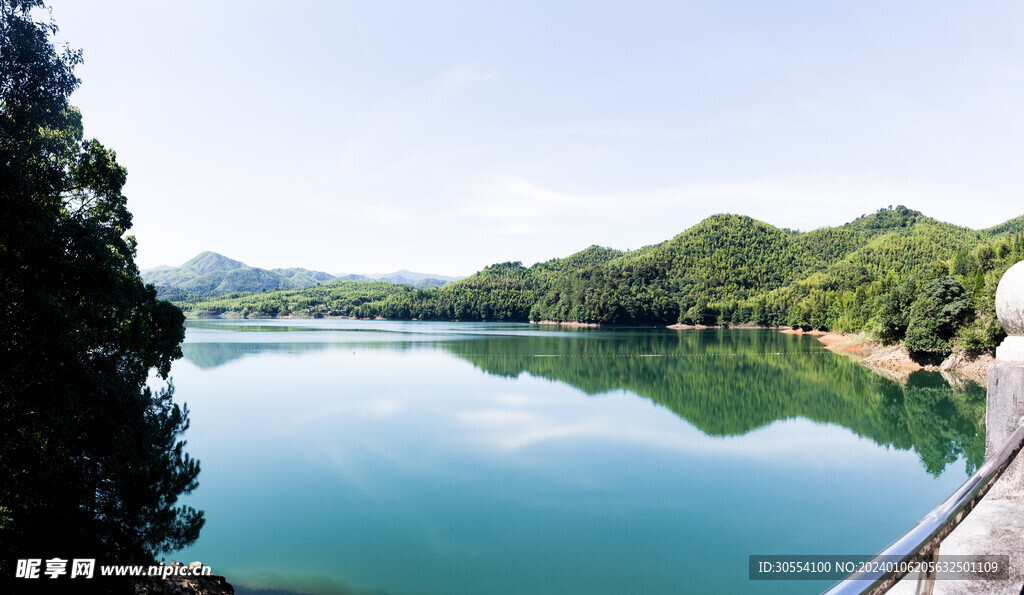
<point>937,270</point>
<point>939,309</point>
<point>92,457</point>
<point>979,283</point>
<point>985,256</point>
<point>961,263</point>
<point>894,312</point>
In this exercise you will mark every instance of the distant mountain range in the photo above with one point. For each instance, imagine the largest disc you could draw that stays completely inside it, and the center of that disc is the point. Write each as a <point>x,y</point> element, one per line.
<point>404,277</point>
<point>210,273</point>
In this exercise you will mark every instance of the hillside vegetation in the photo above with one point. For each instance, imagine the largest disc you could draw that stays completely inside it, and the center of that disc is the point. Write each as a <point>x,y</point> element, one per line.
<point>1015,225</point>
<point>211,274</point>
<point>337,298</point>
<point>889,273</point>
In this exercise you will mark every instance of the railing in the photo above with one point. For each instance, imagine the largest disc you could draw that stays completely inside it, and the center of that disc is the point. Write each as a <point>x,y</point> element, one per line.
<point>922,541</point>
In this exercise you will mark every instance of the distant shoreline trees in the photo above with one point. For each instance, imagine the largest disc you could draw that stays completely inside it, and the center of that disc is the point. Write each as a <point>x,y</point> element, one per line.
<point>879,274</point>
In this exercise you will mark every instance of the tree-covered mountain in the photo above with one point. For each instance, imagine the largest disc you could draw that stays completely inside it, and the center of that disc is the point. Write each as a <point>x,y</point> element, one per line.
<point>210,274</point>
<point>1015,225</point>
<point>865,275</point>
<point>403,277</point>
<point>336,298</point>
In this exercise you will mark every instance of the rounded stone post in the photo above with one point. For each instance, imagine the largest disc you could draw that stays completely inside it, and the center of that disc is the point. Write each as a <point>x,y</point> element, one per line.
<point>1010,310</point>
<point>1005,402</point>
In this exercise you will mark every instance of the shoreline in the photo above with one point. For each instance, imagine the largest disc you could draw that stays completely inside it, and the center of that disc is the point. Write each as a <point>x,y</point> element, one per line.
<point>894,358</point>
<point>567,324</point>
<point>866,351</point>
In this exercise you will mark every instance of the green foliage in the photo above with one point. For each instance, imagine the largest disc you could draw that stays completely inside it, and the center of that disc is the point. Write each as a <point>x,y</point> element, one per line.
<point>589,257</point>
<point>92,459</point>
<point>1013,226</point>
<point>339,298</point>
<point>935,316</point>
<point>979,283</point>
<point>983,331</point>
<point>894,312</point>
<point>985,255</point>
<point>726,270</point>
<point>210,273</point>
<point>962,263</point>
<point>886,220</point>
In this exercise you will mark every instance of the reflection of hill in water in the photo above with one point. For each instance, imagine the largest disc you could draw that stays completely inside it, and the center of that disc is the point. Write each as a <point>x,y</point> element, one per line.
<point>723,382</point>
<point>212,355</point>
<point>729,383</point>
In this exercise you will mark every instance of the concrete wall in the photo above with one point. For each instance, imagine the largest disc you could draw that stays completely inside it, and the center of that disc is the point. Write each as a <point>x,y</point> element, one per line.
<point>1004,409</point>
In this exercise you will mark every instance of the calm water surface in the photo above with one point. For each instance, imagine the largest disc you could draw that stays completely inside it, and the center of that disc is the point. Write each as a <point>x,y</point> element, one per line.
<point>347,456</point>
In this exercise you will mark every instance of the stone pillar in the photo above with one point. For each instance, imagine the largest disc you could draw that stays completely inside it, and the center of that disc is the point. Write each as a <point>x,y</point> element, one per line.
<point>1005,404</point>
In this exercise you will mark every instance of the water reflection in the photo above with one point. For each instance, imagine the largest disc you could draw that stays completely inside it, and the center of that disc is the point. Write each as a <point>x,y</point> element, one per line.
<point>725,383</point>
<point>730,383</point>
<point>469,458</point>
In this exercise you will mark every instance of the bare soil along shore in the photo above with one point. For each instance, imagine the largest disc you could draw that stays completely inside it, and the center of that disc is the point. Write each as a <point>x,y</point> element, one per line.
<point>895,357</point>
<point>567,324</point>
<point>894,361</point>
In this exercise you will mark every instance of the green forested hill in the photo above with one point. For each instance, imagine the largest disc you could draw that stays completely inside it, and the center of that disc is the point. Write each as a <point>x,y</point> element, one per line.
<point>212,273</point>
<point>589,257</point>
<point>907,251</point>
<point>1015,225</point>
<point>330,299</point>
<point>886,220</point>
<point>725,255</point>
<point>866,275</point>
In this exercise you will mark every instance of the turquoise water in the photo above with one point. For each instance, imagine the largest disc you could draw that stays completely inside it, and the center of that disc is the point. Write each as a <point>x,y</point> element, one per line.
<point>345,456</point>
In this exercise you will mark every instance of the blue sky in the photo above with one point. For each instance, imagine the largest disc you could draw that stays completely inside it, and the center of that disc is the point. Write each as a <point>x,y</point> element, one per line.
<point>445,136</point>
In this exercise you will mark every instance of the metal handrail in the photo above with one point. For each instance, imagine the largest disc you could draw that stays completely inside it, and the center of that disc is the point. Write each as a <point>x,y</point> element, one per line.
<point>924,538</point>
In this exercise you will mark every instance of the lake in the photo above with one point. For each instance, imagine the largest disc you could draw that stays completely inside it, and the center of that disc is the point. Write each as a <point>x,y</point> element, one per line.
<point>345,456</point>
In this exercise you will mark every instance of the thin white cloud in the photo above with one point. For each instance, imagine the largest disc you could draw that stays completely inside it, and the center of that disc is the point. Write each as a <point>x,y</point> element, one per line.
<point>810,201</point>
